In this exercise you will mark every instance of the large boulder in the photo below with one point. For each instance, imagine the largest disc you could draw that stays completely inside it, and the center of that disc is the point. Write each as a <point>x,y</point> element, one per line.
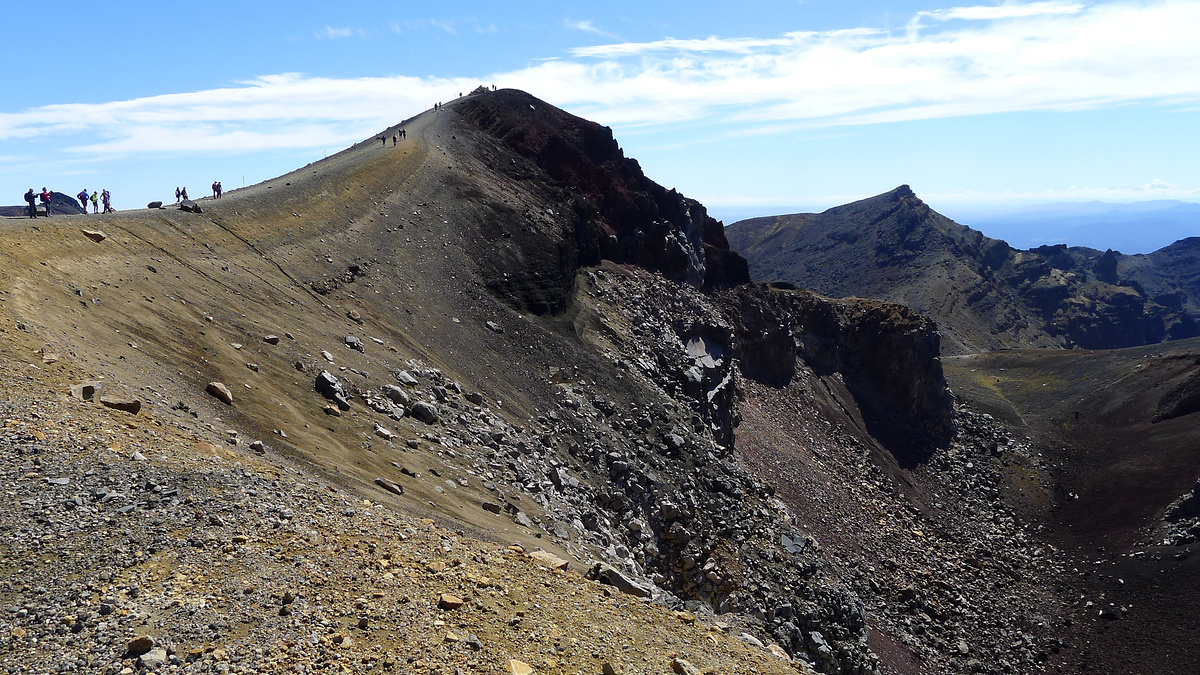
<point>426,412</point>
<point>190,206</point>
<point>611,576</point>
<point>328,386</point>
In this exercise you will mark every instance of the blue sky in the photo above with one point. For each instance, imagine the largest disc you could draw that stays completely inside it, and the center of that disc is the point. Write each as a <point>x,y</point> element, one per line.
<point>765,107</point>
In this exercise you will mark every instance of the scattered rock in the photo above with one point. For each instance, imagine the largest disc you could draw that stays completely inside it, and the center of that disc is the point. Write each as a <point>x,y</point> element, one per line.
<point>606,574</point>
<point>190,206</point>
<point>221,392</point>
<point>154,659</point>
<point>515,667</point>
<point>271,339</point>
<point>95,235</point>
<point>495,327</point>
<point>425,412</point>
<point>354,316</point>
<point>447,601</point>
<point>389,486</point>
<point>396,394</point>
<point>547,559</point>
<point>682,667</point>
<point>355,343</point>
<point>331,388</point>
<point>86,391</point>
<point>139,645</point>
<point>127,405</point>
<point>154,205</point>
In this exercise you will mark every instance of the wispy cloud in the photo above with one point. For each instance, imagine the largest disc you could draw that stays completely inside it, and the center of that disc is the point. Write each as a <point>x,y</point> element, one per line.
<point>586,26</point>
<point>446,26</point>
<point>331,33</point>
<point>1039,56</point>
<point>1155,189</point>
<point>1005,11</point>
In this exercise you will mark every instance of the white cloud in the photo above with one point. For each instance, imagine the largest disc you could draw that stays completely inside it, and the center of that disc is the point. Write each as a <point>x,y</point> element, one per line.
<point>1005,11</point>
<point>1040,56</point>
<point>1155,189</point>
<point>331,33</point>
<point>586,26</point>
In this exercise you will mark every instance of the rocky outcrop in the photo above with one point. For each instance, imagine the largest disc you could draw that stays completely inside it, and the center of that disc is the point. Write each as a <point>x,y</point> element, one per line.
<point>611,211</point>
<point>886,354</point>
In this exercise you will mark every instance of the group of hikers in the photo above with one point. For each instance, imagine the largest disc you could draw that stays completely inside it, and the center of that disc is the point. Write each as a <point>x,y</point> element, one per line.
<point>46,197</point>
<point>398,136</point>
<point>97,198</point>
<point>181,193</point>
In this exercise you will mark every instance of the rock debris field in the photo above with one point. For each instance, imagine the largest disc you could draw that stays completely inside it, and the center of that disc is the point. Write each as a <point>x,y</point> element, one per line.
<point>129,547</point>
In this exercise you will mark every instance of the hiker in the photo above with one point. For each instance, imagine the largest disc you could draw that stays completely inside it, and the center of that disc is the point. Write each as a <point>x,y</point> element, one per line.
<point>107,199</point>
<point>95,203</point>
<point>214,189</point>
<point>220,189</point>
<point>176,195</point>
<point>383,140</point>
<point>46,196</point>
<point>403,134</point>
<point>83,199</point>
<point>31,200</point>
<point>183,193</point>
<point>393,140</point>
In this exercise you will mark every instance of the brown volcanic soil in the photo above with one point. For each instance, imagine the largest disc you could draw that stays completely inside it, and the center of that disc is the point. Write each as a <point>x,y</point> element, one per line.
<point>1090,414</point>
<point>204,571</point>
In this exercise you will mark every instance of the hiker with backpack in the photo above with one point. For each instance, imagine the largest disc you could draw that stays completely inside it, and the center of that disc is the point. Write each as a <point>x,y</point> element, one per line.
<point>95,203</point>
<point>107,199</point>
<point>83,199</point>
<point>45,197</point>
<point>31,199</point>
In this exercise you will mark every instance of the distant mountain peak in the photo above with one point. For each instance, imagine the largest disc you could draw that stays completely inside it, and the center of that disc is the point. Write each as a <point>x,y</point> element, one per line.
<point>984,294</point>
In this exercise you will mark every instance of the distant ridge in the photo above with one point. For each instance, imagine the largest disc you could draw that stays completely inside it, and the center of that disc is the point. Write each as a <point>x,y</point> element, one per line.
<point>983,293</point>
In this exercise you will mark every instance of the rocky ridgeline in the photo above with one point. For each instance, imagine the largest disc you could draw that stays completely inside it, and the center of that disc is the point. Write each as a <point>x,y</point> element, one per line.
<point>983,293</point>
<point>128,548</point>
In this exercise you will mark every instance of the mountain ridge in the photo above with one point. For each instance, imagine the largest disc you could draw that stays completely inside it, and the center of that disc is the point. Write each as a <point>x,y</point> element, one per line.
<point>983,293</point>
